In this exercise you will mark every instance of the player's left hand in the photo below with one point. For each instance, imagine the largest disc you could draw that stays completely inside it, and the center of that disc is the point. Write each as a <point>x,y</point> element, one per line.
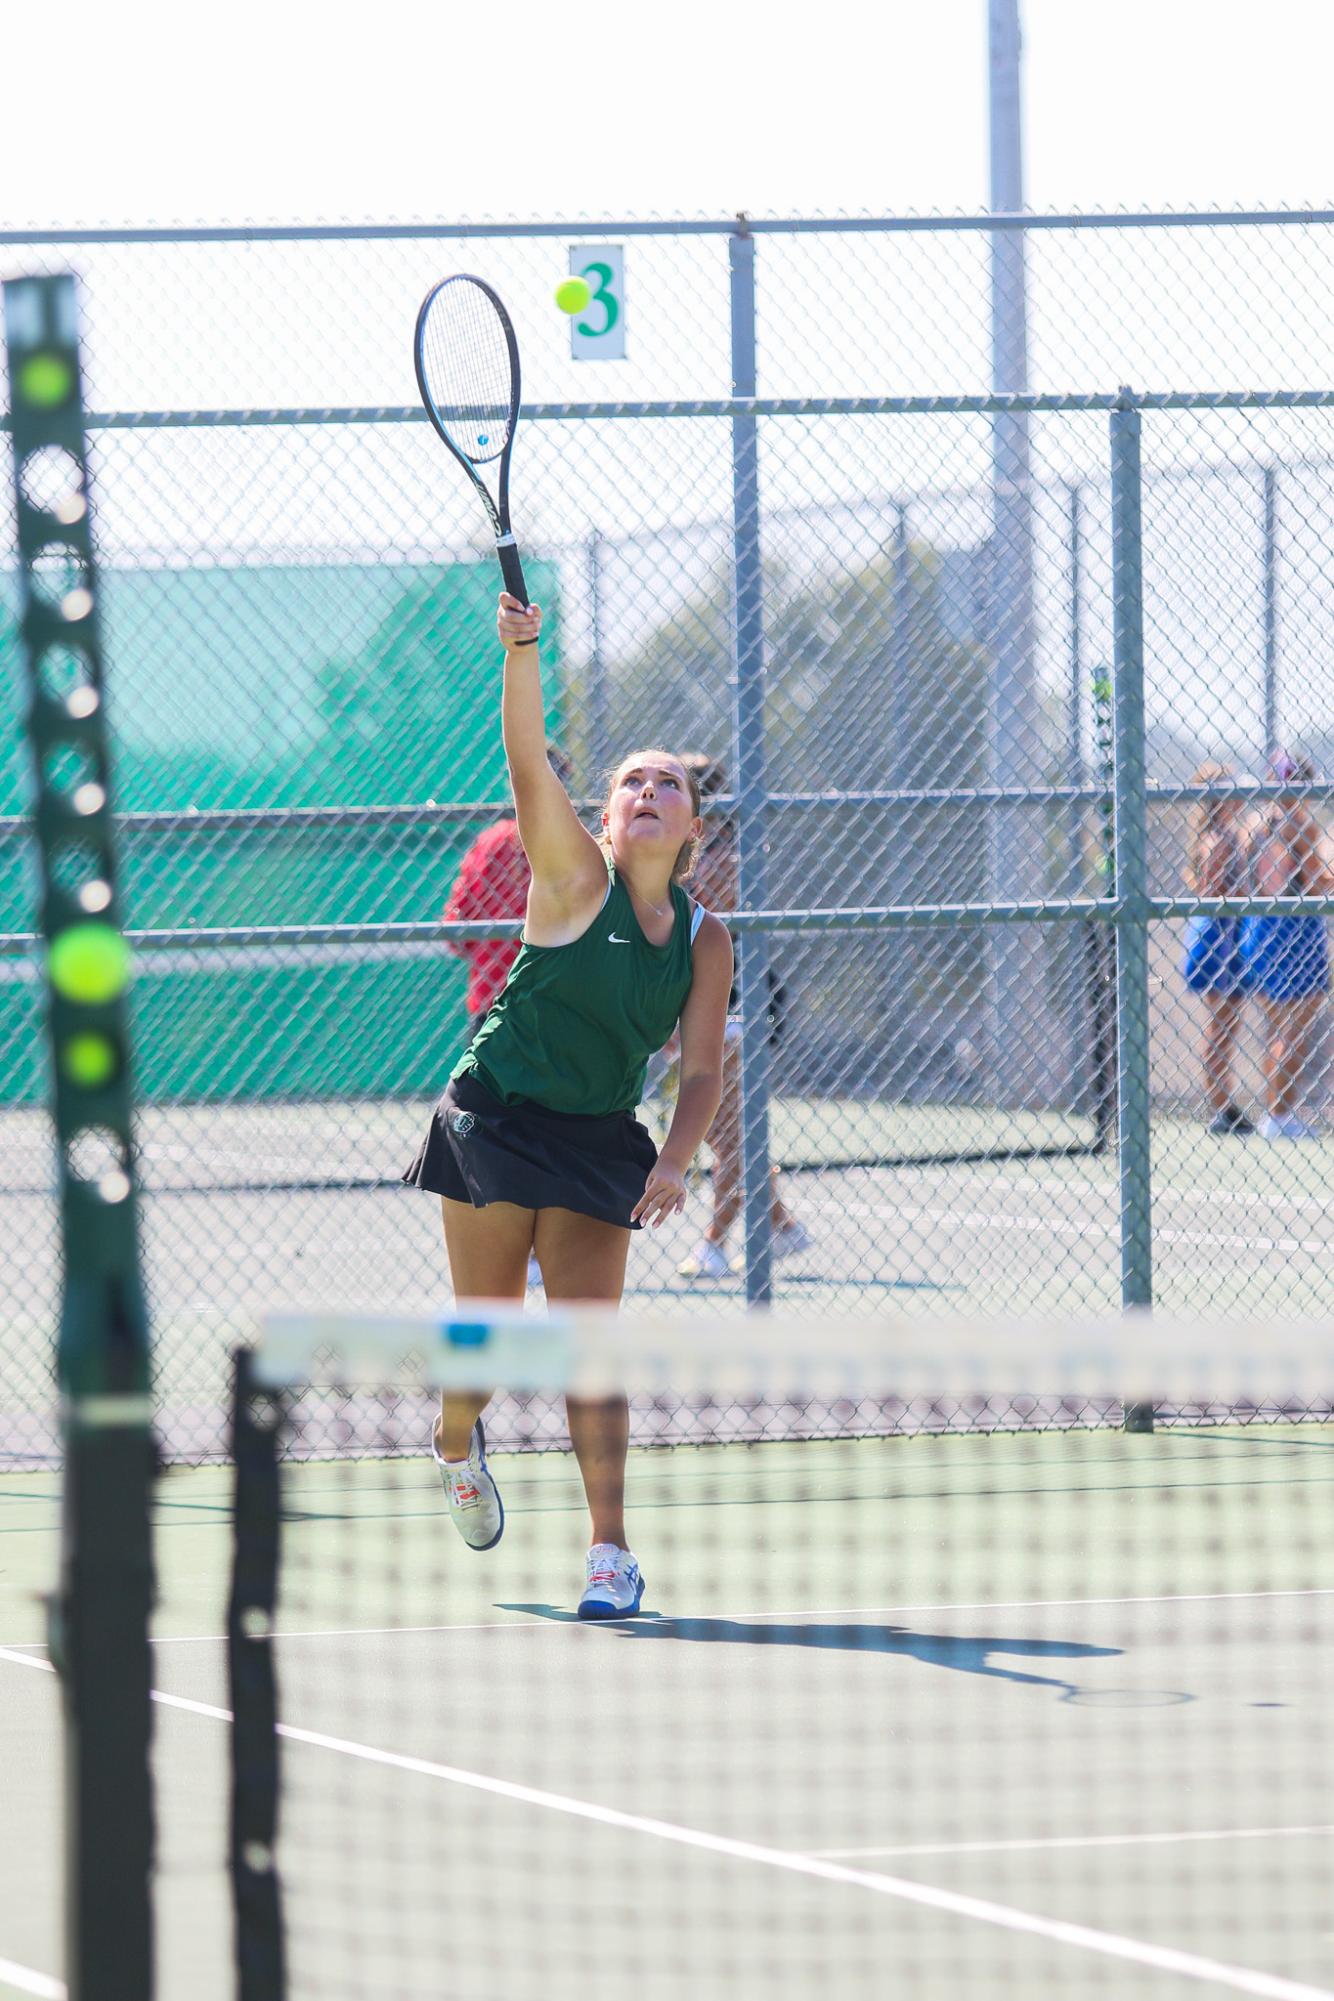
<point>664,1194</point>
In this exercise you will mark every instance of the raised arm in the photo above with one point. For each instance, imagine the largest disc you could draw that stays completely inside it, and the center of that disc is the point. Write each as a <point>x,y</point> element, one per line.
<point>566,861</point>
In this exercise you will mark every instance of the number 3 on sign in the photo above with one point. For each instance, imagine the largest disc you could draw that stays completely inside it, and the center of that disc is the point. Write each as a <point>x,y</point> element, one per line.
<point>598,333</point>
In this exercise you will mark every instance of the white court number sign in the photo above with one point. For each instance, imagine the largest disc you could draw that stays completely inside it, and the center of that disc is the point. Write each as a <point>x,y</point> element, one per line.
<point>598,333</point>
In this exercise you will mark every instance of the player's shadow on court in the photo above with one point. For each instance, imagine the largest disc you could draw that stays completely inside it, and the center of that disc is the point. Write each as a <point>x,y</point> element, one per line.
<point>966,1654</point>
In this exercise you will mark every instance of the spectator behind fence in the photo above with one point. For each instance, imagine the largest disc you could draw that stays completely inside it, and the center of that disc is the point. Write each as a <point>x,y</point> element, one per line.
<point>1286,959</point>
<point>492,884</point>
<point>714,883</point>
<point>1217,865</point>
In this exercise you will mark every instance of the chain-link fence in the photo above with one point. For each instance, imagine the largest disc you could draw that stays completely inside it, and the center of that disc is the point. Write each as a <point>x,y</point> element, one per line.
<point>963,658</point>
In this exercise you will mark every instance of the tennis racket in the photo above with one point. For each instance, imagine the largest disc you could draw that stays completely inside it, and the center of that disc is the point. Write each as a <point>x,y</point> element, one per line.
<point>467,363</point>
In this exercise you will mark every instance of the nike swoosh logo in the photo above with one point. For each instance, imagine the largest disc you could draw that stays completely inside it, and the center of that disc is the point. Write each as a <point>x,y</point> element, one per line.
<point>612,939</point>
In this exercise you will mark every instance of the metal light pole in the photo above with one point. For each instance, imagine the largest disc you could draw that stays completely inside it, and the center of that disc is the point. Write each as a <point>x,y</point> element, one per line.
<point>1017,1002</point>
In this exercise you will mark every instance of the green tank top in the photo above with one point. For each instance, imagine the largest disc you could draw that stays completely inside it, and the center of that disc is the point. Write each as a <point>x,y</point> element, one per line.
<point>575,1024</point>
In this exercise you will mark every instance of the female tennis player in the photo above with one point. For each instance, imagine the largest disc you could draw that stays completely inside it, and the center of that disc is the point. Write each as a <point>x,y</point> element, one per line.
<point>534,1145</point>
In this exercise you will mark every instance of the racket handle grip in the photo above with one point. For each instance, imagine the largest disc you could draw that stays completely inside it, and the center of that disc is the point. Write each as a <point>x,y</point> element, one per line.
<point>511,569</point>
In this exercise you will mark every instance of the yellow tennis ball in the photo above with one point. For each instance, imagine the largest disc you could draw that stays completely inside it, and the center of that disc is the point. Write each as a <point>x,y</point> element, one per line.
<point>45,380</point>
<point>573,294</point>
<point>89,1060</point>
<point>89,963</point>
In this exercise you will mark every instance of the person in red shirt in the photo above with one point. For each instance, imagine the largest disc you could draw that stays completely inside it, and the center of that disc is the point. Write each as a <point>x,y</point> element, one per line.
<point>492,882</point>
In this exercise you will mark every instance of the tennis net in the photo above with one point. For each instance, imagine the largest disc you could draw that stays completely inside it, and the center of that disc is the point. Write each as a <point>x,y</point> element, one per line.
<point>1034,1705</point>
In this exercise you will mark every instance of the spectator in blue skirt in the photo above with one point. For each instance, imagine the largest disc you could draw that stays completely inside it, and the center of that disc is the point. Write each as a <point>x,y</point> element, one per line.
<point>1217,865</point>
<point>1286,959</point>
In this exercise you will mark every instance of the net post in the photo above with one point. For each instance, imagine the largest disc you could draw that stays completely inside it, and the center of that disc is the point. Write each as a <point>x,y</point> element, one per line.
<point>751,783</point>
<point>101,1612</point>
<point>257,1420</point>
<point>1131,864</point>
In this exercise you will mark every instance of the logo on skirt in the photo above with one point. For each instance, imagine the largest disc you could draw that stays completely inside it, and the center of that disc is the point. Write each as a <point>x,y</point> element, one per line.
<point>462,1122</point>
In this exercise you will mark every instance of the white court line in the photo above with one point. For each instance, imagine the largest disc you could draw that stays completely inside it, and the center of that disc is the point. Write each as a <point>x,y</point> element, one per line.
<point>846,1612</point>
<point>1043,1604</point>
<point>804,1612</point>
<point>1074,1841</point>
<point>1070,1226</point>
<point>28,1982</point>
<point>1003,1178</point>
<point>1057,1931</point>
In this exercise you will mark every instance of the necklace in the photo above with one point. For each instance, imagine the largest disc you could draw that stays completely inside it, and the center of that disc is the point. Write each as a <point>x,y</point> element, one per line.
<point>658,909</point>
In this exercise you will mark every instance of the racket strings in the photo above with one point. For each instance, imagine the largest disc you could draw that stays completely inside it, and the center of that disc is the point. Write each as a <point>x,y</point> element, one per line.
<point>466,365</point>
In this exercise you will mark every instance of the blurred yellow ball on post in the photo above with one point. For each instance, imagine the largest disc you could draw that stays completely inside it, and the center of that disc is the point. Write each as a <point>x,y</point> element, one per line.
<point>89,963</point>
<point>45,380</point>
<point>89,1060</point>
<point>573,294</point>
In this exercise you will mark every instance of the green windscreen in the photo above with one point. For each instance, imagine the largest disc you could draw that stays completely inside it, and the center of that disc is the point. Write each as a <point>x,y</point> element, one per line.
<point>259,692</point>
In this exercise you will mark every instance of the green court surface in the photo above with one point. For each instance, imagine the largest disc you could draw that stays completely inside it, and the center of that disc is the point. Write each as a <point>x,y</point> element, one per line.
<point>1041,1681</point>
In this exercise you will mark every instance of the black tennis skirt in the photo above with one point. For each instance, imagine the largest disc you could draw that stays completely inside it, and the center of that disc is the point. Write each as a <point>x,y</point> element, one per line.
<point>479,1150</point>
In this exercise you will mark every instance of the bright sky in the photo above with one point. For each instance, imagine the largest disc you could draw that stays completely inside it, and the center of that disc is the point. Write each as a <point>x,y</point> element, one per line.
<point>415,109</point>
<point>291,112</point>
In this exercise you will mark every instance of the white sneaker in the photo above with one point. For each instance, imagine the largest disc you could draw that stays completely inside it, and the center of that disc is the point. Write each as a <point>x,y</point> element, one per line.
<point>614,1588</point>
<point>793,1237</point>
<point>1286,1125</point>
<point>475,1506</point>
<point>707,1260</point>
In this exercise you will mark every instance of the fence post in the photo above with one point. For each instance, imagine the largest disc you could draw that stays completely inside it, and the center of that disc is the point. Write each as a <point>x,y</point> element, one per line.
<point>749,766</point>
<point>1131,854</point>
<point>1075,690</point>
<point>1082,950</point>
<point>1270,573</point>
<point>599,734</point>
<point>1021,1031</point>
<point>900,943</point>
